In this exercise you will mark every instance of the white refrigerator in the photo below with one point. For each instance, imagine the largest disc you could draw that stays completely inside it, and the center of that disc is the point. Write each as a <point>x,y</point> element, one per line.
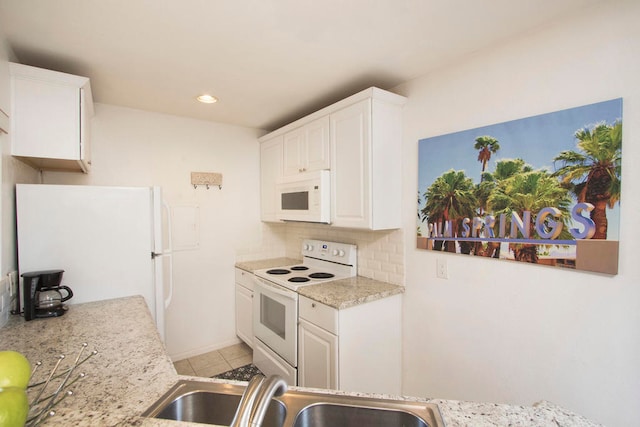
<point>110,241</point>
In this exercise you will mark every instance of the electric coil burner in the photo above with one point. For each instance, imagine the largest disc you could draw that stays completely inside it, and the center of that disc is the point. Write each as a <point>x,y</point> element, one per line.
<point>278,271</point>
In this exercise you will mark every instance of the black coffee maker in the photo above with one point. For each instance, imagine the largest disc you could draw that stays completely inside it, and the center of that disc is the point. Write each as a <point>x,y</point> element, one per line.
<point>42,294</point>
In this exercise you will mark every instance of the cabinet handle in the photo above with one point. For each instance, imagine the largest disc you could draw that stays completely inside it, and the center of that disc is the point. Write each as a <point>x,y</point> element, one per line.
<point>313,305</point>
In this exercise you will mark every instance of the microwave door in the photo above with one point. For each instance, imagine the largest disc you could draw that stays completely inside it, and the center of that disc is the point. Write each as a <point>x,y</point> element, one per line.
<point>295,201</point>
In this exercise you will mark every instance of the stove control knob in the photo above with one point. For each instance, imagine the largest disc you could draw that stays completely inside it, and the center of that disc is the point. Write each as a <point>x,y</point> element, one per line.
<point>308,247</point>
<point>338,252</point>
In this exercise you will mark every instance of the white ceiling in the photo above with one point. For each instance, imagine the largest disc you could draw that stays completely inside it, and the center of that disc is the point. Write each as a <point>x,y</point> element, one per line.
<point>268,61</point>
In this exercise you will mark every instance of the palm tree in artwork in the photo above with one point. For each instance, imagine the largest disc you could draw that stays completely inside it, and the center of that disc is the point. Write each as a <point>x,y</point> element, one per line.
<point>486,145</point>
<point>593,174</point>
<point>450,198</point>
<point>529,190</point>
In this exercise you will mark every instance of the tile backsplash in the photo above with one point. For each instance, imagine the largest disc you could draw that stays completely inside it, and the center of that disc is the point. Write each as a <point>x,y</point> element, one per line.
<point>380,253</point>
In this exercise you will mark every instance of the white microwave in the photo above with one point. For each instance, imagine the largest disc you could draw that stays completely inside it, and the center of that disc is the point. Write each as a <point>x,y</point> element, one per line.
<point>305,197</point>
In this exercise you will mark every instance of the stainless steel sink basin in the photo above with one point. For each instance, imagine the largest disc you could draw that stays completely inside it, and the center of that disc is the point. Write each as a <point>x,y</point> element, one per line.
<point>216,403</point>
<point>199,402</point>
<point>330,415</point>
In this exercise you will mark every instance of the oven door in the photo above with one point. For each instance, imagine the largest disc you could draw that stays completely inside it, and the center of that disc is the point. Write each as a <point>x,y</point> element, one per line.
<point>275,319</point>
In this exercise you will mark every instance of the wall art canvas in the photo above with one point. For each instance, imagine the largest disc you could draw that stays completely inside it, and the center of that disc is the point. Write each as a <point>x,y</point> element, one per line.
<point>543,190</point>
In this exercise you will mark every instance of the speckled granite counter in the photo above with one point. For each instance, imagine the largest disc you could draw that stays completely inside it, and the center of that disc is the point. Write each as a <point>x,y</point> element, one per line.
<point>131,371</point>
<point>261,264</point>
<point>345,293</point>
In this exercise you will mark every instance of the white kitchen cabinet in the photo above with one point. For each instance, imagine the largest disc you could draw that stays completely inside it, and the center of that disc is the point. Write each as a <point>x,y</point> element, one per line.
<point>317,366</point>
<point>366,164</point>
<point>306,148</point>
<point>364,154</point>
<point>50,118</point>
<point>244,306</point>
<point>353,349</point>
<point>270,173</point>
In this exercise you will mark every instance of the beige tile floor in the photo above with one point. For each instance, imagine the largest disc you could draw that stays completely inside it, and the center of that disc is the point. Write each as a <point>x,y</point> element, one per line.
<point>215,362</point>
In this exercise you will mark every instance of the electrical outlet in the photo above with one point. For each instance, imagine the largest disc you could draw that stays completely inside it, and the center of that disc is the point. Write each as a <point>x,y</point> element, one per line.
<point>441,269</point>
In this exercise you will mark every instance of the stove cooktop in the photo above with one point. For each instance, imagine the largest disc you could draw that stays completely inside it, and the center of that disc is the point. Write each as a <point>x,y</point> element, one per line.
<point>295,276</point>
<point>322,261</point>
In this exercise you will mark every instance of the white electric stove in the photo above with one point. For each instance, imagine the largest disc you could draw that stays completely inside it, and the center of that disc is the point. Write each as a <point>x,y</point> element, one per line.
<point>275,302</point>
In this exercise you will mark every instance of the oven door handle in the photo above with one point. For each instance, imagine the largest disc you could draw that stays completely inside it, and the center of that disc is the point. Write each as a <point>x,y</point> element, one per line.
<point>273,288</point>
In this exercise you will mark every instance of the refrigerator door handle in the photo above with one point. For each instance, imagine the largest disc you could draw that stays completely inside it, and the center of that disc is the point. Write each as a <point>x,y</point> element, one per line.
<point>167,300</point>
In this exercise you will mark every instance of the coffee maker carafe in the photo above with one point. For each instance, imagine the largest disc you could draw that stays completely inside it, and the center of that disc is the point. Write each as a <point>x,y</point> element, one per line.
<point>42,294</point>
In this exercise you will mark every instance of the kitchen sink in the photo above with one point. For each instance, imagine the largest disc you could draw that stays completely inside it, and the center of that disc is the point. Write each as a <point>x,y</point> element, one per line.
<point>198,402</point>
<point>216,403</point>
<point>331,415</point>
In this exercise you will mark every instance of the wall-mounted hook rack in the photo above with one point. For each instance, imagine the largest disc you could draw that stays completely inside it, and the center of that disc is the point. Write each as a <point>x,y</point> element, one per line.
<point>207,179</point>
<point>206,185</point>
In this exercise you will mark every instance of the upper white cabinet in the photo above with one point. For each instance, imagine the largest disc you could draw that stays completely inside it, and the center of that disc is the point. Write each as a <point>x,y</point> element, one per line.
<point>360,140</point>
<point>270,173</point>
<point>306,148</point>
<point>50,118</point>
<point>366,159</point>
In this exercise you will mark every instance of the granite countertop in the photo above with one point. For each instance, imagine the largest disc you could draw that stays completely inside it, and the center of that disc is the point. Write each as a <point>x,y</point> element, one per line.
<point>132,370</point>
<point>339,294</point>
<point>261,264</point>
<point>345,293</point>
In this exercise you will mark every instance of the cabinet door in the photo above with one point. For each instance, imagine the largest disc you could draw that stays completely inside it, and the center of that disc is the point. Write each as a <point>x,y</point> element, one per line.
<point>318,358</point>
<point>244,314</point>
<point>350,166</point>
<point>45,119</point>
<point>270,173</point>
<point>306,148</point>
<point>85,129</point>
<point>293,152</point>
<point>317,149</point>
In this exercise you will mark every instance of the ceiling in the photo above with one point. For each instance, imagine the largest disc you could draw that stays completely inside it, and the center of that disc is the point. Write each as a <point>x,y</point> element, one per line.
<point>268,61</point>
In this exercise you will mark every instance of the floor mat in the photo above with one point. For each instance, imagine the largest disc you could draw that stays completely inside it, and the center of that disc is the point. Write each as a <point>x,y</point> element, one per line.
<point>243,373</point>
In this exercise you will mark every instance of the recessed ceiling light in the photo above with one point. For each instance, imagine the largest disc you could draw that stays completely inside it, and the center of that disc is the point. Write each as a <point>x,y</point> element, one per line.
<point>207,99</point>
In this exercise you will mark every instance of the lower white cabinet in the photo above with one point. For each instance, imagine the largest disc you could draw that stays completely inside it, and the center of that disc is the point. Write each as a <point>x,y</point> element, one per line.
<point>353,349</point>
<point>317,366</point>
<point>244,306</point>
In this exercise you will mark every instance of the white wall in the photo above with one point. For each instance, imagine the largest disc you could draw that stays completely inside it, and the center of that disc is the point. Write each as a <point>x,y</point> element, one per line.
<point>504,332</point>
<point>137,148</point>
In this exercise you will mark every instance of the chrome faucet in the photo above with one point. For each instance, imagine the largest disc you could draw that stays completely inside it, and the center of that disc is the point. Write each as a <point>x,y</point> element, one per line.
<point>256,398</point>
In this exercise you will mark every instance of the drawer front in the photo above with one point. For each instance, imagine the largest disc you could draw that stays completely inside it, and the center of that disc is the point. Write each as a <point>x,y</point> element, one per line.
<point>319,314</point>
<point>244,278</point>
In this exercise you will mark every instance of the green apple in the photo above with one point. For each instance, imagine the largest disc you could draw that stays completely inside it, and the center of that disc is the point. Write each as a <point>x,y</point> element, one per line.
<point>15,370</point>
<point>14,407</point>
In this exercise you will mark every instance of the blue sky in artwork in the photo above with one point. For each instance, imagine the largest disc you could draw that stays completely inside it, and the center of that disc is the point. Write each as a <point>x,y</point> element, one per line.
<point>537,140</point>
